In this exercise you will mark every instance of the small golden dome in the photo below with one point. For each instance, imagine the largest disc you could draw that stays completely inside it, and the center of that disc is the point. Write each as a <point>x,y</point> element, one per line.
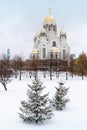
<point>36,34</point>
<point>35,51</point>
<point>49,19</point>
<point>62,31</point>
<point>54,50</point>
<point>43,30</point>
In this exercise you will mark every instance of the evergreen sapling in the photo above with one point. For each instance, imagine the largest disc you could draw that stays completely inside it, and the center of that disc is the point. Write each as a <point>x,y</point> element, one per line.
<point>60,99</point>
<point>37,108</point>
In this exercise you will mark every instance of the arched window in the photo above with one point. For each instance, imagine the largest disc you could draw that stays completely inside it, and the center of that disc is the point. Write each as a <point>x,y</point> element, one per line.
<point>49,27</point>
<point>33,57</point>
<point>54,44</point>
<point>54,28</point>
<point>44,52</point>
<point>51,55</point>
<point>62,36</point>
<point>64,54</point>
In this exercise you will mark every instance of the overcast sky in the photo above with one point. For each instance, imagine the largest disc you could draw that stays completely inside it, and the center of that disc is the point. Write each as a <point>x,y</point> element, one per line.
<point>21,19</point>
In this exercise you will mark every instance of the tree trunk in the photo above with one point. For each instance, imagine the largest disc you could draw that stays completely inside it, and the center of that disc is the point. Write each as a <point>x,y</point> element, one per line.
<point>66,76</point>
<point>36,116</point>
<point>36,121</point>
<point>20,74</point>
<point>5,87</point>
<point>82,77</point>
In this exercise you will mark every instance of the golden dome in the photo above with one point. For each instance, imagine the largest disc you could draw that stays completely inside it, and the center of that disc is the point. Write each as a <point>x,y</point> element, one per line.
<point>54,50</point>
<point>62,31</point>
<point>49,19</point>
<point>35,51</point>
<point>36,34</point>
<point>43,30</point>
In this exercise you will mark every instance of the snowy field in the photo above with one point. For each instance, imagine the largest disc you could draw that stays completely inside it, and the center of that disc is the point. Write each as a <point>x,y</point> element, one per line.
<point>73,117</point>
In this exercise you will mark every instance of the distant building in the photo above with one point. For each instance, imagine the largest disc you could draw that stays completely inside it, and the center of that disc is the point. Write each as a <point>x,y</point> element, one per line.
<point>47,42</point>
<point>8,54</point>
<point>72,56</point>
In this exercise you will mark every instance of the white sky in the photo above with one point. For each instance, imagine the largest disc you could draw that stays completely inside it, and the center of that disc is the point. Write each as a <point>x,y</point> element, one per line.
<point>21,19</point>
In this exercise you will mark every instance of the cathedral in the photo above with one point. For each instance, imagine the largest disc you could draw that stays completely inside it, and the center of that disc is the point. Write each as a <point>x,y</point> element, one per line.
<point>48,44</point>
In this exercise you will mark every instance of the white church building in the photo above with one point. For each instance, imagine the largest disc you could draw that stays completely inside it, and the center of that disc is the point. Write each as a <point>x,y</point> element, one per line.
<point>48,43</point>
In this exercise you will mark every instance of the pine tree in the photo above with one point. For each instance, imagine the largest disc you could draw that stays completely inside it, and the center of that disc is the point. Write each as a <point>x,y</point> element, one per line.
<point>60,99</point>
<point>37,108</point>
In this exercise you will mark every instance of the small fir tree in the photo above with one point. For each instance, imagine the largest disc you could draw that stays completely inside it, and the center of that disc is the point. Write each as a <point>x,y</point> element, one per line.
<point>37,108</point>
<point>60,99</point>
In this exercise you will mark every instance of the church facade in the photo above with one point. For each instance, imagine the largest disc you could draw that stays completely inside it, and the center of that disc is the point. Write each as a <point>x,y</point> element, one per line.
<point>48,44</point>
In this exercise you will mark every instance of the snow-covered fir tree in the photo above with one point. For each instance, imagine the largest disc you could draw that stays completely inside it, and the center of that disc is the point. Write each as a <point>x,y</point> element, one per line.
<point>60,99</point>
<point>37,108</point>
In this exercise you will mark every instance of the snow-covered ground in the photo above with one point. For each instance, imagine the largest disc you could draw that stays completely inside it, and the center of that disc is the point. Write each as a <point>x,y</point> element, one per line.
<point>73,117</point>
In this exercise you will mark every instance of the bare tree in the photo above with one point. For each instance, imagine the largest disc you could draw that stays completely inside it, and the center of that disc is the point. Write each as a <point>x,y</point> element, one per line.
<point>4,62</point>
<point>17,65</point>
<point>20,67</point>
<point>5,71</point>
<point>5,77</point>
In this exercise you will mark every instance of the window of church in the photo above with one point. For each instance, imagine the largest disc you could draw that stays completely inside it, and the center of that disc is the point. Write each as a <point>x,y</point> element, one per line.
<point>54,44</point>
<point>49,27</point>
<point>62,36</point>
<point>33,57</point>
<point>64,54</point>
<point>51,55</point>
<point>44,52</point>
<point>54,28</point>
<point>43,34</point>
